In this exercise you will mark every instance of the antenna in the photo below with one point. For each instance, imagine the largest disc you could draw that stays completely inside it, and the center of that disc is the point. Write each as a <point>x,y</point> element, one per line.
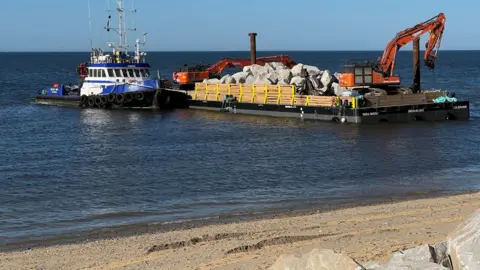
<point>122,26</point>
<point>90,24</point>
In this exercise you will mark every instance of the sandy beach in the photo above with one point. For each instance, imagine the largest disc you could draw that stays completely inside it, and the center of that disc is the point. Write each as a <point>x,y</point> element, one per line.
<point>363,233</point>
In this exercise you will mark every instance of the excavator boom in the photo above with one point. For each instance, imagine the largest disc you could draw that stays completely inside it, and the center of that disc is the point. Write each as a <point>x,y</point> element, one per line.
<point>436,25</point>
<point>200,73</point>
<point>382,73</point>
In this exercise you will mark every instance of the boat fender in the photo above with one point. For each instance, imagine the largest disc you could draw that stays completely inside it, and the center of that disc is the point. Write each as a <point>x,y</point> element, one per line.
<point>91,101</point>
<point>128,97</point>
<point>104,100</point>
<point>139,96</point>
<point>111,98</point>
<point>120,98</point>
<point>83,99</point>
<point>98,101</point>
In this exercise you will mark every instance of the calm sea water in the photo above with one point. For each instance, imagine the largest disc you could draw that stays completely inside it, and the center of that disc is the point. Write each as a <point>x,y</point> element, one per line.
<point>67,170</point>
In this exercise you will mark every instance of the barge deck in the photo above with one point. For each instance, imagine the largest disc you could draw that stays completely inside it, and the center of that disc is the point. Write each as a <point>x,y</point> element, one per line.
<point>282,101</point>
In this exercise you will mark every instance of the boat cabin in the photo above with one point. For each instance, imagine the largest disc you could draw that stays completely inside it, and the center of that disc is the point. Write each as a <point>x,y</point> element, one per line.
<point>118,73</point>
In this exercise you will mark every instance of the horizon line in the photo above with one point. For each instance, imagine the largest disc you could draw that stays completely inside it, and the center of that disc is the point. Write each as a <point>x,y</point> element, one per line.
<point>206,51</point>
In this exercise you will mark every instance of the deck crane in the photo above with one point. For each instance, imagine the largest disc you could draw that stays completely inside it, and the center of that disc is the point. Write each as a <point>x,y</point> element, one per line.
<point>380,74</point>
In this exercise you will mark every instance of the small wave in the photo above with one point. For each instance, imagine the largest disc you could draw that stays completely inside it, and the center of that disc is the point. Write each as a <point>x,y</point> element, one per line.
<point>121,215</point>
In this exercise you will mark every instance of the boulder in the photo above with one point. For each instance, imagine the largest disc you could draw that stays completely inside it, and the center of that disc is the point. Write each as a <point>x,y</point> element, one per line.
<point>230,80</point>
<point>262,81</point>
<point>259,70</point>
<point>316,82</point>
<point>326,78</point>
<point>250,79</point>
<point>268,68</point>
<point>298,81</point>
<point>284,75</point>
<point>240,77</point>
<point>338,90</point>
<point>312,70</point>
<point>211,81</point>
<point>225,78</point>
<point>464,244</point>
<point>317,259</point>
<point>277,66</point>
<point>297,70</point>
<point>440,255</point>
<point>273,77</point>
<point>418,258</point>
<point>283,82</point>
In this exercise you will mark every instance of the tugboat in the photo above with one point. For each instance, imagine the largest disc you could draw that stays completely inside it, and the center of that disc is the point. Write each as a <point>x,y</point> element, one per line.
<point>113,80</point>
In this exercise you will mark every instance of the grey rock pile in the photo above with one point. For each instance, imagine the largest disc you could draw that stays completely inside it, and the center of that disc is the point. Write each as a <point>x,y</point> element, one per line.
<point>320,82</point>
<point>461,251</point>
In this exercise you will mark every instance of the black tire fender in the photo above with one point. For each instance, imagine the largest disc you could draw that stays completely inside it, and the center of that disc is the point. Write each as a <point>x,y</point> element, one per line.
<point>139,96</point>
<point>91,101</point>
<point>128,97</point>
<point>111,97</point>
<point>120,98</point>
<point>98,100</point>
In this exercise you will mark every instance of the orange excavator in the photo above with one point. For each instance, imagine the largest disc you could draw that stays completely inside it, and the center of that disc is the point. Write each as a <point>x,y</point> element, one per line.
<point>189,75</point>
<point>380,74</point>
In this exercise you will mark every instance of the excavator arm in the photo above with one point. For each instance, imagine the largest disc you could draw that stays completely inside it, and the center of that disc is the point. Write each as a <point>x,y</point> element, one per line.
<point>380,74</point>
<point>197,74</point>
<point>436,25</point>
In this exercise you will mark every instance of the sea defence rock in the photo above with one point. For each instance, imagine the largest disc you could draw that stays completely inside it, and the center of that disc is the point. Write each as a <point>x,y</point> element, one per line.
<point>464,244</point>
<point>418,258</point>
<point>240,77</point>
<point>317,259</point>
<point>320,82</point>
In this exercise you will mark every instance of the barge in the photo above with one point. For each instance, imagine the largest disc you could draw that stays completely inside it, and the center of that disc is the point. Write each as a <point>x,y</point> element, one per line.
<point>283,101</point>
<point>370,93</point>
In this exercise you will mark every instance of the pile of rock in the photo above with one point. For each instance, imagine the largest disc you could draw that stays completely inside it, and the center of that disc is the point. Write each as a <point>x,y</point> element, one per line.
<point>308,79</point>
<point>461,251</point>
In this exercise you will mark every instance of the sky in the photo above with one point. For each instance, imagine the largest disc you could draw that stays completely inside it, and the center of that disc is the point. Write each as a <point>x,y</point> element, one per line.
<point>216,25</point>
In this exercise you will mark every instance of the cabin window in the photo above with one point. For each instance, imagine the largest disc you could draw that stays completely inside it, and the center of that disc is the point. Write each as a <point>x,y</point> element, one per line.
<point>124,72</point>
<point>137,73</point>
<point>118,73</point>
<point>90,73</point>
<point>130,73</point>
<point>95,73</point>
<point>142,72</point>
<point>110,73</point>
<point>103,73</point>
<point>147,72</point>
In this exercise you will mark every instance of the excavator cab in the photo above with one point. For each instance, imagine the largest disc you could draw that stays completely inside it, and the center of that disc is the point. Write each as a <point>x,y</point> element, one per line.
<point>365,75</point>
<point>191,73</point>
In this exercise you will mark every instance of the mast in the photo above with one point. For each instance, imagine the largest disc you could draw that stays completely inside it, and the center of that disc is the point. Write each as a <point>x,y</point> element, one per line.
<point>122,31</point>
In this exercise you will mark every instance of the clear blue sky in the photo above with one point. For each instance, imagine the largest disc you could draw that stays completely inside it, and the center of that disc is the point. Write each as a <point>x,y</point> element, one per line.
<point>62,25</point>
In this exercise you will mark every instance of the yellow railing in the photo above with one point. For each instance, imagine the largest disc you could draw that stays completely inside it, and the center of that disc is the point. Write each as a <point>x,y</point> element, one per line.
<point>252,93</point>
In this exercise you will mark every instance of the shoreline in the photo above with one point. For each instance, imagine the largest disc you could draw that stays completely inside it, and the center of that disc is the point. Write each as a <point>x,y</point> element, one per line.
<point>139,229</point>
<point>362,232</point>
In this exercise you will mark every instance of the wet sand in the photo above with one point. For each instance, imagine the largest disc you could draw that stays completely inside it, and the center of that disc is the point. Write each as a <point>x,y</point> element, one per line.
<point>364,233</point>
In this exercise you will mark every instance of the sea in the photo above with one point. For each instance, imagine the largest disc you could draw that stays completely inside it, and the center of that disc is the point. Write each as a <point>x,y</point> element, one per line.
<point>67,171</point>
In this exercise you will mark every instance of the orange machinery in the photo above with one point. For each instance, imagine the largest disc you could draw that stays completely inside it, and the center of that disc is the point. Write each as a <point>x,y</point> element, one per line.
<point>189,75</point>
<point>381,73</point>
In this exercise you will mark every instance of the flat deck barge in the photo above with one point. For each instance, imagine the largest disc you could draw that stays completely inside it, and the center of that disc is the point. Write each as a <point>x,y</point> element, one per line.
<point>282,101</point>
